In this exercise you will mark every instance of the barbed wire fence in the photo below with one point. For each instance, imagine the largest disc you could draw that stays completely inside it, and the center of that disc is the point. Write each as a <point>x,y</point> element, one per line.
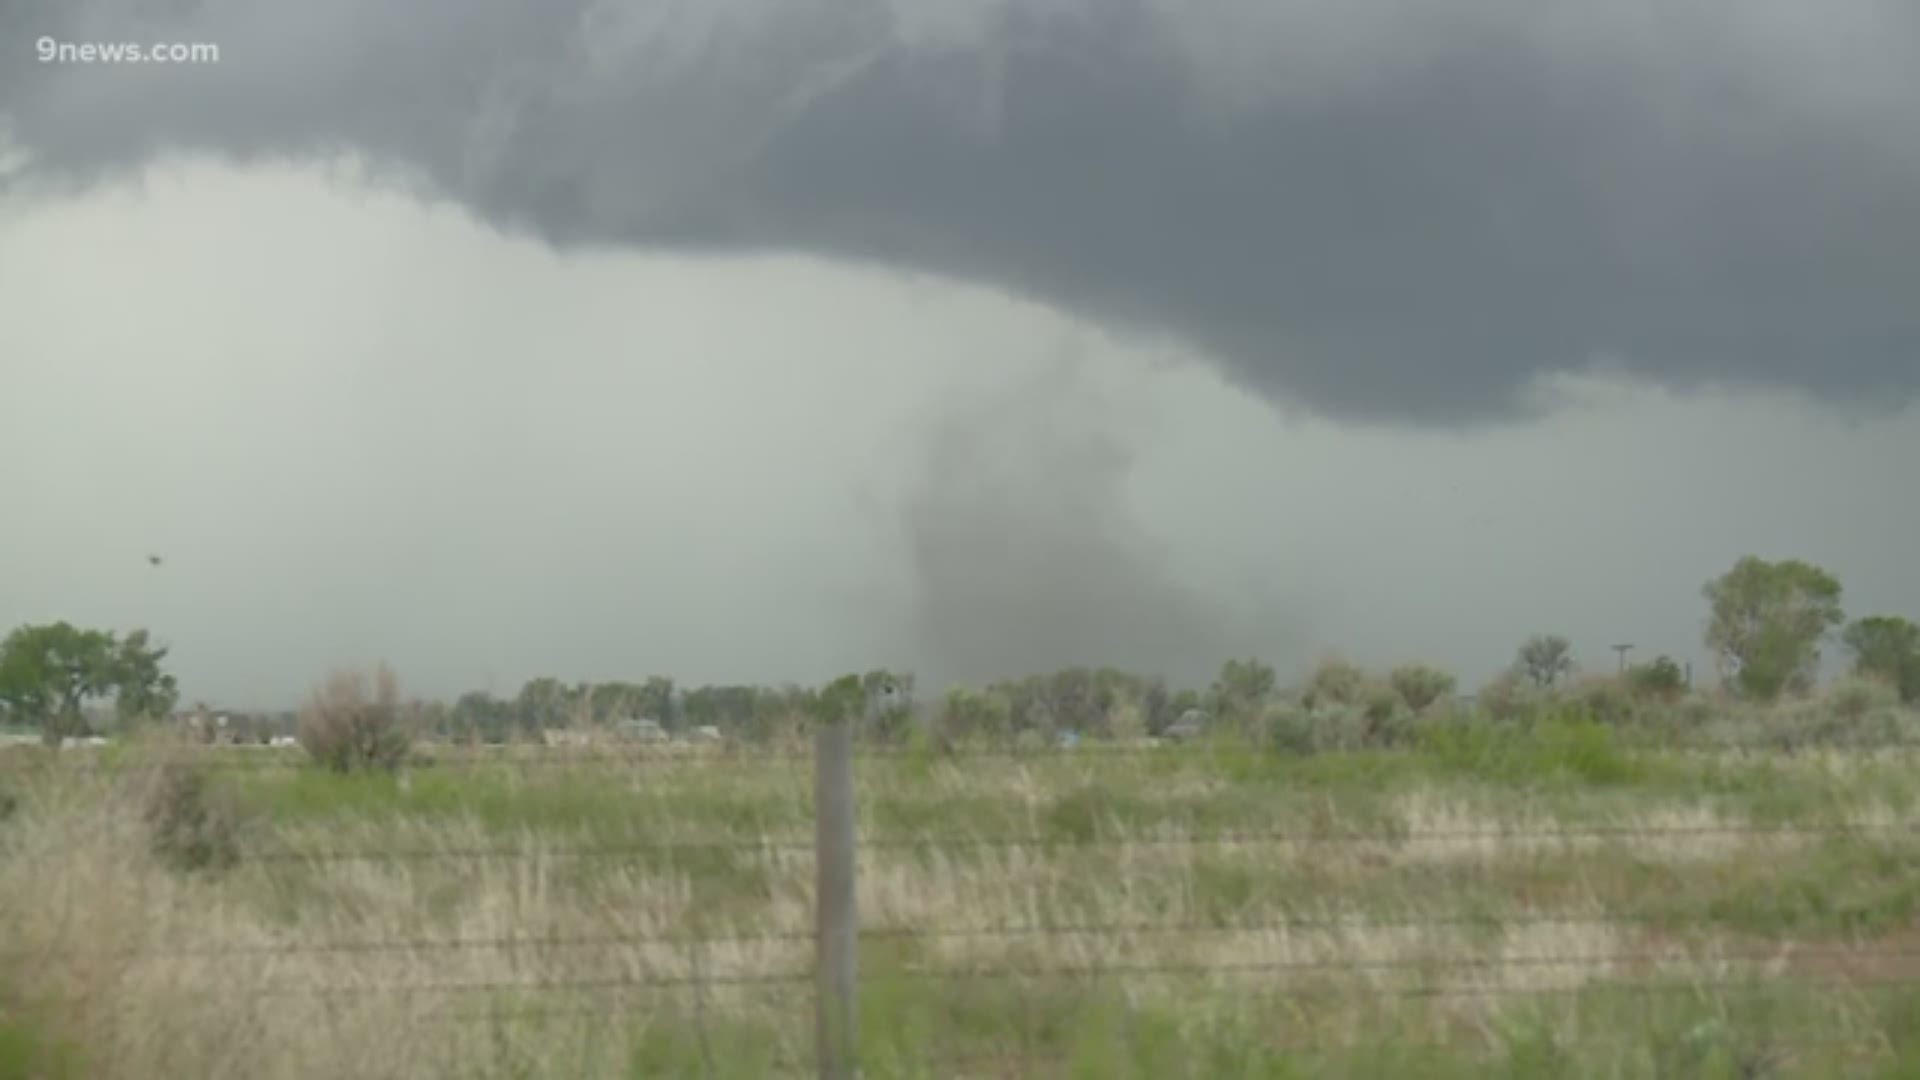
<point>832,982</point>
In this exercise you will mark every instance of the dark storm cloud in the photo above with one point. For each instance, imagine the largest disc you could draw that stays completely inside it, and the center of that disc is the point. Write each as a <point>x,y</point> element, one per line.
<point>1385,209</point>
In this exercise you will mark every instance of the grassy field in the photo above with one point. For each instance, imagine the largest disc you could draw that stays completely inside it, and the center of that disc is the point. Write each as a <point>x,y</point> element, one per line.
<point>1552,903</point>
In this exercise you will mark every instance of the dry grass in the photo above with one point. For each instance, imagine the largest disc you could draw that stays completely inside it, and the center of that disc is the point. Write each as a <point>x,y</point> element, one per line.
<point>1459,929</point>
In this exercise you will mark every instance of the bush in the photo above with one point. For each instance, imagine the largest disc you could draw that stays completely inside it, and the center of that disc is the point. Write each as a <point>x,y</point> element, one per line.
<point>1661,680</point>
<point>1381,703</point>
<point>1810,725</point>
<point>1420,686</point>
<point>1698,711</point>
<point>969,716</point>
<point>1031,741</point>
<point>347,728</point>
<point>1607,700</point>
<point>1290,731</point>
<point>1856,698</point>
<point>1334,682</point>
<point>193,827</point>
<point>1887,648</point>
<point>1508,699</point>
<point>1379,724</point>
<point>1126,723</point>
<point>1387,724</point>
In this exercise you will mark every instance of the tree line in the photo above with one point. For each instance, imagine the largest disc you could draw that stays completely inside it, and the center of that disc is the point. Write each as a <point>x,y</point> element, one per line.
<point>1767,624</point>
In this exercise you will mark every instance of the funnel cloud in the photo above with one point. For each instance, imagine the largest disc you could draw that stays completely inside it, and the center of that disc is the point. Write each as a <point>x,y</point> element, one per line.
<point>1027,554</point>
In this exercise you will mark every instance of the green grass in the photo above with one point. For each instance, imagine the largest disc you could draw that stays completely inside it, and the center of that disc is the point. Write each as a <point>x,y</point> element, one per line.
<point>914,1028</point>
<point>586,800</point>
<point>1407,840</point>
<point>1559,775</point>
<point>27,1050</point>
<point>1576,770</point>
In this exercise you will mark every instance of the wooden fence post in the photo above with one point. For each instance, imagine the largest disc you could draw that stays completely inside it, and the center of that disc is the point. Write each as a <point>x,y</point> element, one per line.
<point>836,920</point>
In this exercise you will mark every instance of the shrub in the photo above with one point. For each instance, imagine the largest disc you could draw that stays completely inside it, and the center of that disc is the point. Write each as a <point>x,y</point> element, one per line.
<point>1381,703</point>
<point>1508,698</point>
<point>1343,731</point>
<point>1334,682</point>
<point>1888,648</point>
<point>1605,699</point>
<point>192,826</point>
<point>1698,711</point>
<point>1030,741</point>
<point>1809,724</point>
<point>1290,731</point>
<point>1420,686</point>
<point>347,727</point>
<point>967,716</point>
<point>1380,721</point>
<point>1240,692</point>
<point>1855,698</point>
<point>1387,724</point>
<point>1126,723</point>
<point>1661,680</point>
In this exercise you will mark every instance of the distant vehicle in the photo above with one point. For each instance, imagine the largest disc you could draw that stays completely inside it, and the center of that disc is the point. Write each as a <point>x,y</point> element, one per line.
<point>705,733</point>
<point>642,730</point>
<point>1190,725</point>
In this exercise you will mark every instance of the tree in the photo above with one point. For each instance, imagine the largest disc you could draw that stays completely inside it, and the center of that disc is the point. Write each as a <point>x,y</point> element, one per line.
<point>888,708</point>
<point>435,717</point>
<point>542,704</point>
<point>49,673</point>
<point>656,697</point>
<point>1239,693</point>
<point>481,717</point>
<point>1545,658</point>
<point>1662,679</point>
<point>841,701</point>
<point>1887,647</point>
<point>1767,622</point>
<point>729,708</point>
<point>1420,686</point>
<point>144,690</point>
<point>1156,705</point>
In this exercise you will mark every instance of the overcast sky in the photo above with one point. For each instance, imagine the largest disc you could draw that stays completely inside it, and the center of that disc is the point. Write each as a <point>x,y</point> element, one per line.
<point>755,341</point>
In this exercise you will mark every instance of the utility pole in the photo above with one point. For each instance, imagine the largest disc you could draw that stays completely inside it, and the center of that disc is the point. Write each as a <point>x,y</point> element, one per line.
<point>1622,650</point>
